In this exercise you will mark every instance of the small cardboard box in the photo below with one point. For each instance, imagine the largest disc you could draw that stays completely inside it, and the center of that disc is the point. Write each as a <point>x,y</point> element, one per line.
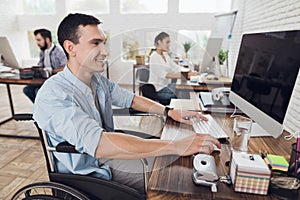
<point>249,173</point>
<point>140,59</point>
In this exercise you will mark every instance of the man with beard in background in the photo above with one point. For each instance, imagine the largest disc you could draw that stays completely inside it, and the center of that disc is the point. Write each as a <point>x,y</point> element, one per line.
<point>52,58</point>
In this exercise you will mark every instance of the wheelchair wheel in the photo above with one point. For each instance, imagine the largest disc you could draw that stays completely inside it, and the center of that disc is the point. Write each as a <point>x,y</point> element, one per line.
<point>48,191</point>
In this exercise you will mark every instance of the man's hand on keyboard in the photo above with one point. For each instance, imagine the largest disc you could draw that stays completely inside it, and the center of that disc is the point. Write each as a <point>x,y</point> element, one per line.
<point>184,116</point>
<point>197,143</point>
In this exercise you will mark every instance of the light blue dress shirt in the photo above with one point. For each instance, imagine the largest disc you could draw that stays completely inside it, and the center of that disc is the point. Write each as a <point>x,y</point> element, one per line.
<point>65,108</point>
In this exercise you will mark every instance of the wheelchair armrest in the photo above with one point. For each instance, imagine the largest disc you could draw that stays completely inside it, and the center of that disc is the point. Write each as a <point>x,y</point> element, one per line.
<point>126,112</point>
<point>23,117</point>
<point>132,112</point>
<point>65,147</point>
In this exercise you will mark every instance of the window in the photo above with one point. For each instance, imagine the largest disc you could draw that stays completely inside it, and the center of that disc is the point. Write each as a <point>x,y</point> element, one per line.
<point>198,41</point>
<point>38,7</point>
<point>204,6</point>
<point>149,38</point>
<point>91,6</point>
<point>130,45</point>
<point>143,6</point>
<point>140,42</point>
<point>137,42</point>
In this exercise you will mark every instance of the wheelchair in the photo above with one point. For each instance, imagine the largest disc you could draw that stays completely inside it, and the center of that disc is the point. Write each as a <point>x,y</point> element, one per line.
<point>80,187</point>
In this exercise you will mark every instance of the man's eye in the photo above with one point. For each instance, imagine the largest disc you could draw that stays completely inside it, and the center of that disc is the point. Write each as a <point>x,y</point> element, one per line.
<point>96,43</point>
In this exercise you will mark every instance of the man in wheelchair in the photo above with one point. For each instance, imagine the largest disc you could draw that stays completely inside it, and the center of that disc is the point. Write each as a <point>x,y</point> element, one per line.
<point>75,105</point>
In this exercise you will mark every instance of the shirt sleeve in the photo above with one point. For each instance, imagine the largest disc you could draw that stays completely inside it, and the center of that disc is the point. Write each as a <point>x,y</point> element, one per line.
<point>58,114</point>
<point>174,67</point>
<point>120,96</point>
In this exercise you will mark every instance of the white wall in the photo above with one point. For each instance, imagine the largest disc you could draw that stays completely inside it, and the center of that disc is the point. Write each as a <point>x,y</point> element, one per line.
<point>16,28</point>
<point>267,15</point>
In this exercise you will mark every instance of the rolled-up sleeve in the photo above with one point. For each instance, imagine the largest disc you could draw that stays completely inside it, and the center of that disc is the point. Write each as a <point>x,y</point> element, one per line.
<point>120,96</point>
<point>62,117</point>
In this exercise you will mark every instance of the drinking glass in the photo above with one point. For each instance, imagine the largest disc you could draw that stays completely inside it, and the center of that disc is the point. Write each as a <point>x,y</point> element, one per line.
<point>241,134</point>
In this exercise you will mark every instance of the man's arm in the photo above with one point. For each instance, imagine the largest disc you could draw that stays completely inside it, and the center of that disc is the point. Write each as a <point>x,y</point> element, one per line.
<point>146,105</point>
<point>122,146</point>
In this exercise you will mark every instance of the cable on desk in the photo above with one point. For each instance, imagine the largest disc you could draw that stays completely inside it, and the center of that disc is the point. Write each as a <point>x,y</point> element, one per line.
<point>292,135</point>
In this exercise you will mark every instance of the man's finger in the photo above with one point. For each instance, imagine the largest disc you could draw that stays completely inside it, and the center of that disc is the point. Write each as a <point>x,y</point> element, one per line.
<point>186,121</point>
<point>198,116</point>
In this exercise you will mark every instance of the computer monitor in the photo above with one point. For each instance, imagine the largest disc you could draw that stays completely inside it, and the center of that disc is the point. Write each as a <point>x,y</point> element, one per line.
<point>211,52</point>
<point>266,71</point>
<point>8,57</point>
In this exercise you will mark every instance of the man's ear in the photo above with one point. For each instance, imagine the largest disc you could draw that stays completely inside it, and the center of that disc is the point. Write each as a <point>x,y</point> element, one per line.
<point>69,47</point>
<point>47,40</point>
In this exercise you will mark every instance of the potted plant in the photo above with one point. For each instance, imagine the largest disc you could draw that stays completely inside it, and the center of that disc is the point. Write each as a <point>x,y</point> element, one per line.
<point>187,46</point>
<point>223,56</point>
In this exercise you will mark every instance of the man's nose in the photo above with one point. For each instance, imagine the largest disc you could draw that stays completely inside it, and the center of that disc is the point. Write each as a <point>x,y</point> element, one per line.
<point>103,50</point>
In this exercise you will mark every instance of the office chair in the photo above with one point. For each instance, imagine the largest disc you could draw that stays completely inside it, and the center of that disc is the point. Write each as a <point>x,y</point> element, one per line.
<point>148,90</point>
<point>142,76</point>
<point>74,186</point>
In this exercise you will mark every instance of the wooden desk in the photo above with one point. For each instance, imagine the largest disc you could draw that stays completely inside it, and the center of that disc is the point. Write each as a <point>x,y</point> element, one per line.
<point>172,175</point>
<point>173,76</point>
<point>17,81</point>
<point>208,85</point>
<point>133,74</point>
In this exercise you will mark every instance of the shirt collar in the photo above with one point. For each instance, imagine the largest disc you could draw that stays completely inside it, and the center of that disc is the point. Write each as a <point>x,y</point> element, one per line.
<point>75,81</point>
<point>50,49</point>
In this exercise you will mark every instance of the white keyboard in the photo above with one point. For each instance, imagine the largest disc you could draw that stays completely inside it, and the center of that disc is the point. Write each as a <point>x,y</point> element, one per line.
<point>210,127</point>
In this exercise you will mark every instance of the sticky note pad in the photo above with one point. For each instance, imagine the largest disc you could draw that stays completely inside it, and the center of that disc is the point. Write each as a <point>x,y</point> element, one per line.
<point>277,162</point>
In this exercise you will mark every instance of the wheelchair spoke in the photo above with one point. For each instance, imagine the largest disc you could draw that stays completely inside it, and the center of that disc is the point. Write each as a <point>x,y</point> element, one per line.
<point>35,191</point>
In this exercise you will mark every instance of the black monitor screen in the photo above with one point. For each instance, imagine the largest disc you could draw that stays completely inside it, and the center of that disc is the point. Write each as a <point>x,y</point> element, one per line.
<point>267,69</point>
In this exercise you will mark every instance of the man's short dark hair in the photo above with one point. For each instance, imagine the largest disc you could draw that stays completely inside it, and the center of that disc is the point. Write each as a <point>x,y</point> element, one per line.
<point>44,33</point>
<point>68,28</point>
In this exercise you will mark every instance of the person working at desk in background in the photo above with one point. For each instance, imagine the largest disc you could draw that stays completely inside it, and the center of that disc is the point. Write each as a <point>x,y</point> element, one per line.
<point>51,57</point>
<point>160,65</point>
<point>80,112</point>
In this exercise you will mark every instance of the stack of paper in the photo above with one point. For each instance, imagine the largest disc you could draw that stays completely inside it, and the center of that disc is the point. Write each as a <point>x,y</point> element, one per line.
<point>277,162</point>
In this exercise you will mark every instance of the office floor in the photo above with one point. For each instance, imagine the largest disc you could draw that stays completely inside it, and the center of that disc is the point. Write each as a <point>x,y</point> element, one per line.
<point>22,160</point>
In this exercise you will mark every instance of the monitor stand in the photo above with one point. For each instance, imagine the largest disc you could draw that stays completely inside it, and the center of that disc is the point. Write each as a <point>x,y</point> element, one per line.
<point>258,131</point>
